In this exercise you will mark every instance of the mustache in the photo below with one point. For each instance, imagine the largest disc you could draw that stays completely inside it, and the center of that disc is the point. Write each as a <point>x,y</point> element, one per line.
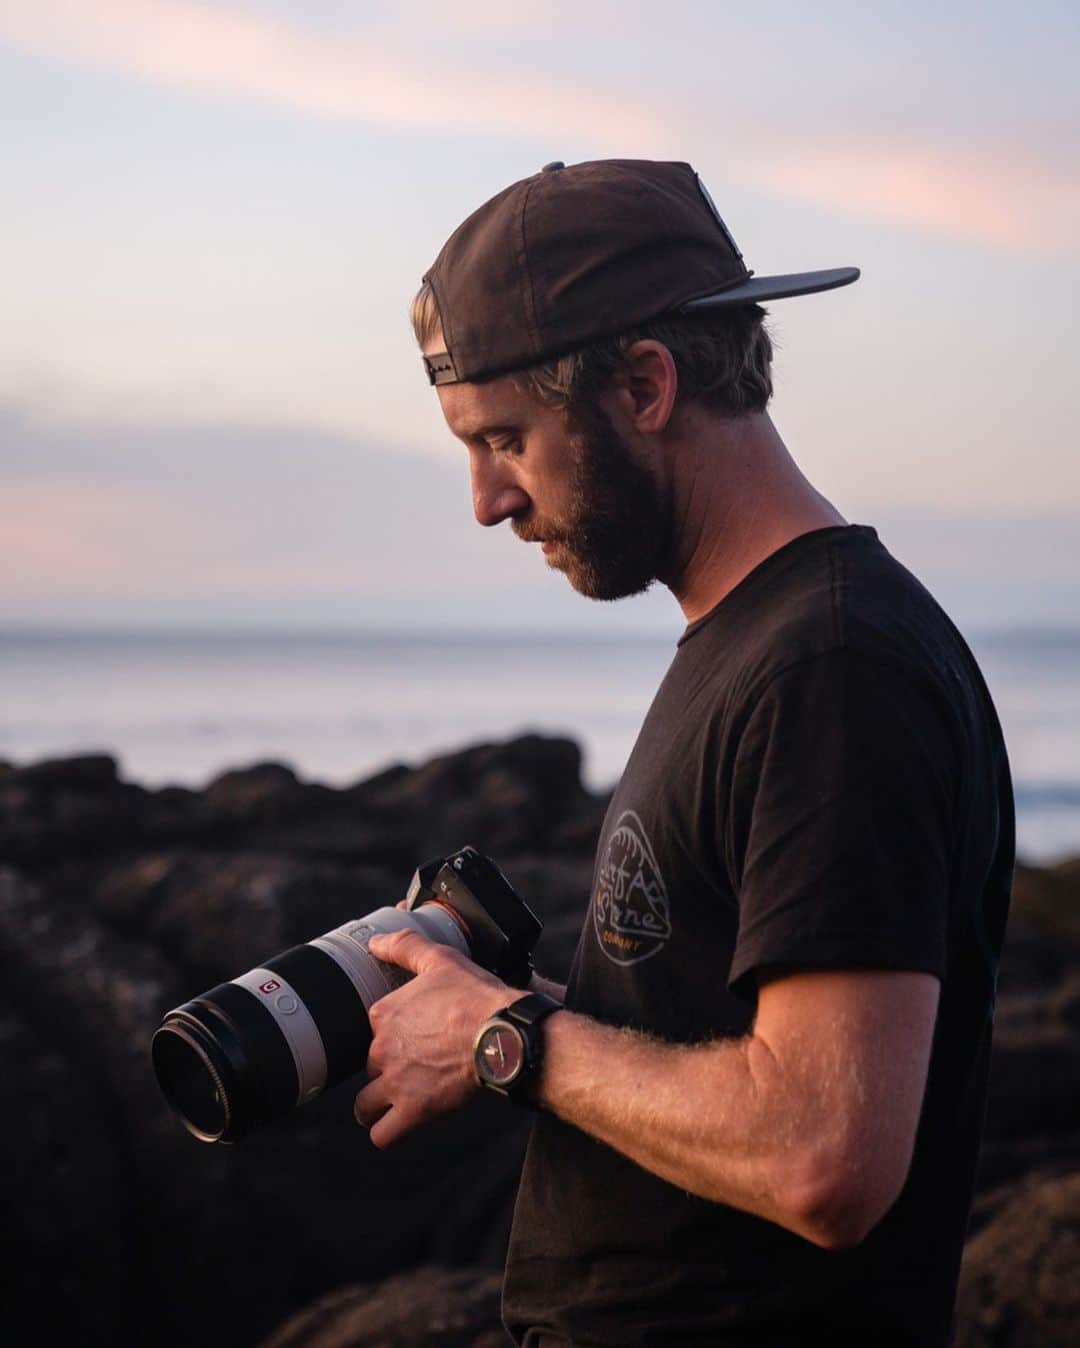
<point>536,531</point>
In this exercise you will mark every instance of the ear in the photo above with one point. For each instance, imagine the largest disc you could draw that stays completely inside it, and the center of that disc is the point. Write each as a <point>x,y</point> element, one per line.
<point>648,384</point>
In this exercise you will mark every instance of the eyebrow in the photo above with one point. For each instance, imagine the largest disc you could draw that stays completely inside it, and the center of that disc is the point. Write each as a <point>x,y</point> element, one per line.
<point>485,432</point>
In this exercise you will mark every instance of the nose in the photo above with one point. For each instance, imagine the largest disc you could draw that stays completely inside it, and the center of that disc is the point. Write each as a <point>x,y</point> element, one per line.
<point>496,495</point>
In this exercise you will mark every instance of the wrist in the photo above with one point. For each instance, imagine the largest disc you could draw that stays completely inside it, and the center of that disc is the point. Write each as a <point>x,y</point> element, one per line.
<point>508,1051</point>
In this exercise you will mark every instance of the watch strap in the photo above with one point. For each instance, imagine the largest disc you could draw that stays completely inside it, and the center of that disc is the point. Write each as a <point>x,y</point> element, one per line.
<point>531,1009</point>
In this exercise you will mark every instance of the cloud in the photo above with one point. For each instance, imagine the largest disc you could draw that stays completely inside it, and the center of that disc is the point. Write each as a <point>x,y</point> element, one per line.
<point>98,516</point>
<point>494,21</point>
<point>214,49</point>
<point>1007,197</point>
<point>1019,192</point>
<point>122,512</point>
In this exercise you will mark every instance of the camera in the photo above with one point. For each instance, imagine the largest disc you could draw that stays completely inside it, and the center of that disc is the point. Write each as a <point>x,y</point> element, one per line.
<point>251,1050</point>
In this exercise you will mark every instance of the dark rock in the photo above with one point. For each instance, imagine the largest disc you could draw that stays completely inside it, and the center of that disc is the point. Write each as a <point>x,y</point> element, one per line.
<point>1032,961</point>
<point>1003,1163</point>
<point>111,1199</point>
<point>62,1159</point>
<point>502,798</point>
<point>267,794</point>
<point>1032,1116</point>
<point>430,1306</point>
<point>90,772</point>
<point>1047,900</point>
<point>1067,1001</point>
<point>125,902</point>
<point>243,787</point>
<point>525,795</point>
<point>66,805</point>
<point>140,900</point>
<point>218,914</point>
<point>152,1227</point>
<point>558,889</point>
<point>1019,1286</point>
<point>1034,1084</point>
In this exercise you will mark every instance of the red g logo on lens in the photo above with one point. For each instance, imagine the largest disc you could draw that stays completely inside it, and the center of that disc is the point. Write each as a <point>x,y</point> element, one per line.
<point>271,985</point>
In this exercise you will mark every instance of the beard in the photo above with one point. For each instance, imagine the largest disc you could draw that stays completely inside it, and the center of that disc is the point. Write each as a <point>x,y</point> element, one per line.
<point>614,537</point>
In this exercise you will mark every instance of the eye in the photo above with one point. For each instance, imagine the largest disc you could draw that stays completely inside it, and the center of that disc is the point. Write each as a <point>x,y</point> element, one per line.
<point>506,444</point>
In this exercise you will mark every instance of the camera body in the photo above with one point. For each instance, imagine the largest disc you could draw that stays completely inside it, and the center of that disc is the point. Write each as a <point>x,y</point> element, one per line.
<point>251,1050</point>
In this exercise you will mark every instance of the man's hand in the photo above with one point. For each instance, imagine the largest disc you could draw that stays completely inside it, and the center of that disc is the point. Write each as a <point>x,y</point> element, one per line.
<point>420,1064</point>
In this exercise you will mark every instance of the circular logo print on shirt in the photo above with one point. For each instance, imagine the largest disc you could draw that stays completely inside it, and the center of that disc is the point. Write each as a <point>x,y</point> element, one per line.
<point>630,907</point>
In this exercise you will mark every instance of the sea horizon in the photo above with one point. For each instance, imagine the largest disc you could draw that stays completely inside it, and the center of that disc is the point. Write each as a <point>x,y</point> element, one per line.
<point>178,705</point>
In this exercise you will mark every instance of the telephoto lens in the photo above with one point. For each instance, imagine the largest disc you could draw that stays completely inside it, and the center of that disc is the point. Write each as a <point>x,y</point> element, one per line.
<point>251,1050</point>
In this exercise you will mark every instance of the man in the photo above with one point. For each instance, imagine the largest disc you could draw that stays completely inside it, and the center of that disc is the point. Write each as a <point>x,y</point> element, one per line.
<point>759,1099</point>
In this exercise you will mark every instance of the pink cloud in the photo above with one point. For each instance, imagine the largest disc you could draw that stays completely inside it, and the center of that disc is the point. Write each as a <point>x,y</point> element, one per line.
<point>1010,196</point>
<point>68,536</point>
<point>56,529</point>
<point>214,49</point>
<point>1005,197</point>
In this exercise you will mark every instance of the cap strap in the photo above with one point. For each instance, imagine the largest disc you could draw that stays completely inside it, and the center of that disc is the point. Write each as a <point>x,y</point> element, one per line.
<point>440,368</point>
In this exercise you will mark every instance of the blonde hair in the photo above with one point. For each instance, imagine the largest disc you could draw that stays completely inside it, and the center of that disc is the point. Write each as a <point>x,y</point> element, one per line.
<point>424,313</point>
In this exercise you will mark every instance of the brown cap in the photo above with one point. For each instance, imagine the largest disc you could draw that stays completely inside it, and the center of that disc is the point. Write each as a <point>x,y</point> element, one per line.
<point>572,255</point>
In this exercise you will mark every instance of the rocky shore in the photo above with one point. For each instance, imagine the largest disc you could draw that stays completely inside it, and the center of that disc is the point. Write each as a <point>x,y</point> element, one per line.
<point>118,902</point>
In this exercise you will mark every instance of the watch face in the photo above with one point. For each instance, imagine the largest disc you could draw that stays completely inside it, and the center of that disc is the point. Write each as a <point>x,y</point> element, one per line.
<point>500,1054</point>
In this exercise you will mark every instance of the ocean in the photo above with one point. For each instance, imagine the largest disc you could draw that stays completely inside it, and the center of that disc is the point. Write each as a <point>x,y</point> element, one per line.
<point>182,707</point>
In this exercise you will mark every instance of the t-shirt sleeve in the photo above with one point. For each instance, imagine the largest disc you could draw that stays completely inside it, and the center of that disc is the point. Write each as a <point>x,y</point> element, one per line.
<point>842,795</point>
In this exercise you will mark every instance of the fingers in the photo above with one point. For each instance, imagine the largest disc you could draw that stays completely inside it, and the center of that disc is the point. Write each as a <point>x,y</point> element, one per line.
<point>394,1124</point>
<point>370,1104</point>
<point>385,1121</point>
<point>420,1058</point>
<point>409,950</point>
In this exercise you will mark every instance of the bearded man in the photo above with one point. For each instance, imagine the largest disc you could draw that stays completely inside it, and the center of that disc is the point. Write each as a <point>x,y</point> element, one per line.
<point>758,1101</point>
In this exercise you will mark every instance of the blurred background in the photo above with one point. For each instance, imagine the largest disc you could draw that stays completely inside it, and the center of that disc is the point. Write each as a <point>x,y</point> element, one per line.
<point>234,533</point>
<point>234,526</point>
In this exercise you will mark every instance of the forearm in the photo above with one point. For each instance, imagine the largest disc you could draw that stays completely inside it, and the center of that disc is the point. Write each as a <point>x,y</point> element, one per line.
<point>809,1121</point>
<point>721,1120</point>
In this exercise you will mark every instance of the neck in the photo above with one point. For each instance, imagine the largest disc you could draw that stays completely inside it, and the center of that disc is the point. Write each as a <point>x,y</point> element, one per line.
<point>736,496</point>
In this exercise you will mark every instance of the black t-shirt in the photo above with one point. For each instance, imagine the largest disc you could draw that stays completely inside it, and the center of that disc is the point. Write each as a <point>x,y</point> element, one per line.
<point>820,782</point>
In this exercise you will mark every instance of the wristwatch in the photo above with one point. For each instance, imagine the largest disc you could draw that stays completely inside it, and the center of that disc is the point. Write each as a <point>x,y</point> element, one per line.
<point>510,1046</point>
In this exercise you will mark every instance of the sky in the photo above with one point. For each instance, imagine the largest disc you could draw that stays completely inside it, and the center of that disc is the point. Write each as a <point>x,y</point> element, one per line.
<point>215,215</point>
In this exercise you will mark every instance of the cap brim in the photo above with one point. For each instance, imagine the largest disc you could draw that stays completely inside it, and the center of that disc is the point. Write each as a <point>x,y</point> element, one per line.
<point>774,288</point>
